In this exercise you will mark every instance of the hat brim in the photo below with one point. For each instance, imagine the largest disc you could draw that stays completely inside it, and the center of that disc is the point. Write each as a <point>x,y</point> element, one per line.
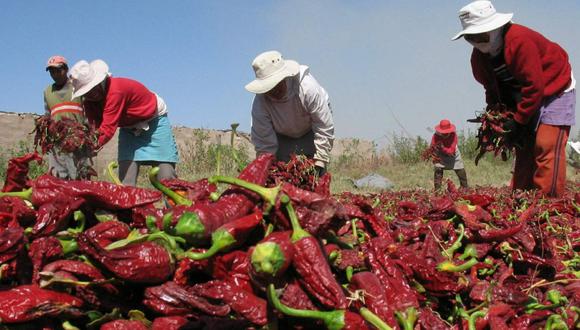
<point>498,21</point>
<point>261,86</point>
<point>440,130</point>
<point>99,77</point>
<point>101,72</point>
<point>59,65</point>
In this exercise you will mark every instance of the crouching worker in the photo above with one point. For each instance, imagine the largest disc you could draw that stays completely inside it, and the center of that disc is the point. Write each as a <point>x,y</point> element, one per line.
<point>447,155</point>
<point>291,112</point>
<point>145,136</point>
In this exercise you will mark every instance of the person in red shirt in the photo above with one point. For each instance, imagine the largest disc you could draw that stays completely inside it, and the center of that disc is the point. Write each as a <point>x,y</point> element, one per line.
<point>447,155</point>
<point>530,74</point>
<point>145,136</point>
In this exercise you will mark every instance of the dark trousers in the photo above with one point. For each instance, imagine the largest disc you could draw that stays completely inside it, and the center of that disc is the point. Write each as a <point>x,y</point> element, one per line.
<point>303,145</point>
<point>438,177</point>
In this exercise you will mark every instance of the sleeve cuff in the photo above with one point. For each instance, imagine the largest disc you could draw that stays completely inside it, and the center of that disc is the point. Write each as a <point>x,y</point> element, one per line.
<point>320,163</point>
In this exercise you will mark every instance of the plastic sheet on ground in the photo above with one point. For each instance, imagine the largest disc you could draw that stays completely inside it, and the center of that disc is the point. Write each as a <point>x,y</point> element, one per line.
<point>373,180</point>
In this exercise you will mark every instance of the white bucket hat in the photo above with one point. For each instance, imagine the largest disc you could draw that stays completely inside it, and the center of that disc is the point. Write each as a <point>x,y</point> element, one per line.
<point>480,17</point>
<point>271,68</point>
<point>85,76</point>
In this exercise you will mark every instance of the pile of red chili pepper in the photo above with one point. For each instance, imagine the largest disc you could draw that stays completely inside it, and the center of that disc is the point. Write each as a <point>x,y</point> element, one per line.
<point>65,135</point>
<point>490,134</point>
<point>96,255</point>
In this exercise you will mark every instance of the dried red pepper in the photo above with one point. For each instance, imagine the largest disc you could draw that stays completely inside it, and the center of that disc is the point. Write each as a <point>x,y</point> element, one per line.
<point>333,320</point>
<point>311,264</point>
<point>272,256</point>
<point>29,302</point>
<point>17,172</point>
<point>172,299</point>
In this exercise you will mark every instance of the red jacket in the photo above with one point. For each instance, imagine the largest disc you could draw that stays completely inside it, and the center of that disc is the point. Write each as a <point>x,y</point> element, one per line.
<point>538,64</point>
<point>447,145</point>
<point>126,103</point>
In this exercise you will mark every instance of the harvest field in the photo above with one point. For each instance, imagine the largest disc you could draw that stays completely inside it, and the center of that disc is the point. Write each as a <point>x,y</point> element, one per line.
<point>287,249</point>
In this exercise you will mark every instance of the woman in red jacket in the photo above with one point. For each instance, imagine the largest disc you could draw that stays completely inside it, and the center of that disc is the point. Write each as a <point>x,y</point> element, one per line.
<point>145,136</point>
<point>448,157</point>
<point>531,75</point>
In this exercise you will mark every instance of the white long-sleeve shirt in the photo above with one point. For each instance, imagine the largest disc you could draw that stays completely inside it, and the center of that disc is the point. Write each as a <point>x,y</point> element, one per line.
<point>305,107</point>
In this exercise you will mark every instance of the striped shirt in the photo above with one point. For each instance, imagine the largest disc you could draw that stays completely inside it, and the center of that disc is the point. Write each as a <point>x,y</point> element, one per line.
<point>58,103</point>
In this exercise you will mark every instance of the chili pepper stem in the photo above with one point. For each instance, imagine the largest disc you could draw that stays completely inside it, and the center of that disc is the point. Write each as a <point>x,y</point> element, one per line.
<point>111,172</point>
<point>24,194</point>
<point>267,258</point>
<point>473,318</point>
<point>456,245</point>
<point>177,198</point>
<point>68,246</point>
<point>407,319</point>
<point>448,266</point>
<point>221,240</point>
<point>268,194</point>
<point>333,320</point>
<point>373,319</point>
<point>297,231</point>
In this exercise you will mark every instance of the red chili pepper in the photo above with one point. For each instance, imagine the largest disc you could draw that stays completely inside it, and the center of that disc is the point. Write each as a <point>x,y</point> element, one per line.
<point>196,223</point>
<point>81,270</point>
<point>41,251</point>
<point>397,288</point>
<point>375,298</point>
<point>17,172</point>
<point>333,320</point>
<point>168,323</point>
<point>231,234</point>
<point>194,191</point>
<point>243,302</point>
<point>54,217</point>
<point>123,325</point>
<point>312,266</point>
<point>145,262</point>
<point>272,256</point>
<point>29,302</point>
<point>172,299</point>
<point>24,214</point>
<point>100,194</point>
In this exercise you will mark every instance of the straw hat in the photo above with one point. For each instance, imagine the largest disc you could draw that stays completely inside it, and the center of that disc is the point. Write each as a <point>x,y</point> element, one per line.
<point>85,76</point>
<point>445,127</point>
<point>271,68</point>
<point>479,17</point>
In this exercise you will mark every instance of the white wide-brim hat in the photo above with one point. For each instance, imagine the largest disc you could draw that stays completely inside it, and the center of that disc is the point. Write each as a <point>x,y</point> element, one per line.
<point>85,76</point>
<point>270,69</point>
<point>480,17</point>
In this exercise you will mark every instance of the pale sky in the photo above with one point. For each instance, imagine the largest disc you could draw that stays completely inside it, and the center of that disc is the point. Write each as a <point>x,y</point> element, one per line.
<point>388,66</point>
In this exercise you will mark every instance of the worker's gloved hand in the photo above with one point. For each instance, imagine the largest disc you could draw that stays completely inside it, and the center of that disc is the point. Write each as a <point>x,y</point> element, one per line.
<point>320,171</point>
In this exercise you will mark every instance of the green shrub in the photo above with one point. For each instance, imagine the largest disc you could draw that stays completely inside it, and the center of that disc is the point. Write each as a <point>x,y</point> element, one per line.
<point>200,158</point>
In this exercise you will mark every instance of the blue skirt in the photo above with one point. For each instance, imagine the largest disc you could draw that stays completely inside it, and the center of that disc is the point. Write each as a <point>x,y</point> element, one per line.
<point>155,144</point>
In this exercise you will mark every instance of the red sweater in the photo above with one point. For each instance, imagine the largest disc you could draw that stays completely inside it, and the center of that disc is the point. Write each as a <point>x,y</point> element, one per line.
<point>447,145</point>
<point>538,64</point>
<point>126,103</point>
